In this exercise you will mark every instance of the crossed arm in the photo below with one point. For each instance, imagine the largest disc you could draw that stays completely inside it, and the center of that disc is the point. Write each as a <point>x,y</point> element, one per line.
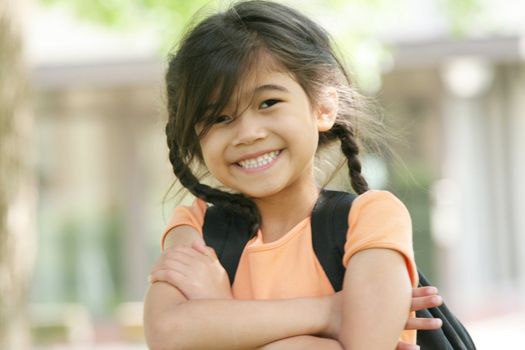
<point>189,282</point>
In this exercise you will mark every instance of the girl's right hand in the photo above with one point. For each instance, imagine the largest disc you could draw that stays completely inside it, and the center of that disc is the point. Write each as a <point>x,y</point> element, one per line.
<point>422,298</point>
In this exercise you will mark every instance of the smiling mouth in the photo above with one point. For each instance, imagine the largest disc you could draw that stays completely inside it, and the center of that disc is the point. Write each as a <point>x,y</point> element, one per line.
<point>259,161</point>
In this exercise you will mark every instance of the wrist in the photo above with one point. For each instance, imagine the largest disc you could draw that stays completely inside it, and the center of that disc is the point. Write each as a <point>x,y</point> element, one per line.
<point>323,317</point>
<point>329,316</point>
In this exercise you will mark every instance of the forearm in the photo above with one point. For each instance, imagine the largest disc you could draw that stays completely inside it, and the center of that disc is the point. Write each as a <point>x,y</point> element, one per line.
<point>175,323</point>
<point>304,342</point>
<point>374,309</point>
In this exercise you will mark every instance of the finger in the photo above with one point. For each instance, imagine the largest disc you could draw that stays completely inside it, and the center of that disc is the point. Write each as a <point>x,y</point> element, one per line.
<point>159,265</point>
<point>406,346</point>
<point>426,302</point>
<point>199,246</point>
<point>204,249</point>
<point>177,250</point>
<point>423,323</point>
<point>171,250</point>
<point>183,253</point>
<point>172,277</point>
<point>424,291</point>
<point>175,263</point>
<point>170,257</point>
<point>184,250</point>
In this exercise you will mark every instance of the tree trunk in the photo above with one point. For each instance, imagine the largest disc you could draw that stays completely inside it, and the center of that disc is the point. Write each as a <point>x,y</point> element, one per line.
<point>17,190</point>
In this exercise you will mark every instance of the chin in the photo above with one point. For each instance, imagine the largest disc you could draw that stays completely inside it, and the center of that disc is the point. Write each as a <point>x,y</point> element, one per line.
<point>261,194</point>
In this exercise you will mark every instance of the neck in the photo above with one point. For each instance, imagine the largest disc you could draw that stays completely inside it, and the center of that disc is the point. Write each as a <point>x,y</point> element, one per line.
<point>281,212</point>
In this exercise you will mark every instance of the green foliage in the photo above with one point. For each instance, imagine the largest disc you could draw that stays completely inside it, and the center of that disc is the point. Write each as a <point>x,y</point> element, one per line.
<point>461,14</point>
<point>165,16</point>
<point>356,23</point>
<point>49,334</point>
<point>170,15</point>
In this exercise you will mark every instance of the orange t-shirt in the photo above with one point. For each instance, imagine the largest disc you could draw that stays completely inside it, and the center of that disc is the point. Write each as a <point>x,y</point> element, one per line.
<point>289,268</point>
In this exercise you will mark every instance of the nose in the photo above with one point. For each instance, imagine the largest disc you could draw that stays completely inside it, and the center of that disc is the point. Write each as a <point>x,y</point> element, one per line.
<point>248,130</point>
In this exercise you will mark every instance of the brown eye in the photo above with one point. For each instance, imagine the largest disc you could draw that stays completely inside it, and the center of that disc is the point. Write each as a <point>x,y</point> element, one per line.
<point>268,103</point>
<point>223,119</point>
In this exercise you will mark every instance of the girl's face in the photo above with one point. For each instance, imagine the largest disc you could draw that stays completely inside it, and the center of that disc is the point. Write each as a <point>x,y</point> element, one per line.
<point>266,139</point>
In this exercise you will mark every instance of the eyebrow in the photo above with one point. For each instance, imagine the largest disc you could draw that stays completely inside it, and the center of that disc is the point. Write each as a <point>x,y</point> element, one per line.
<point>266,87</point>
<point>258,89</point>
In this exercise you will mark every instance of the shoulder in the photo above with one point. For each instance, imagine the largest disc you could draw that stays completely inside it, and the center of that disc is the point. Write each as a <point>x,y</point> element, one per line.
<point>379,216</point>
<point>376,203</point>
<point>378,219</point>
<point>196,211</point>
<point>379,197</point>
<point>185,224</point>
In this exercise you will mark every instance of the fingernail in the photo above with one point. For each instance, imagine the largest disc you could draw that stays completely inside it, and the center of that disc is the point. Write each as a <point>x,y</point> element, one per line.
<point>150,279</point>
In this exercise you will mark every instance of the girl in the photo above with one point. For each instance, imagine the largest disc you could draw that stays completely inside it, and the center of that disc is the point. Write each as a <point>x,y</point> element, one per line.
<point>253,94</point>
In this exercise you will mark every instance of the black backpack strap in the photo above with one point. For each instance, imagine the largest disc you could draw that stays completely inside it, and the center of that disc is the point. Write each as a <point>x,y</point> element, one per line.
<point>329,223</point>
<point>452,329</point>
<point>329,228</point>
<point>227,233</point>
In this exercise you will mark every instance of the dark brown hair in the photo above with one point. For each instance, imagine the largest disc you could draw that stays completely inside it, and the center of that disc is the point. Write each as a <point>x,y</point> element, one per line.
<point>216,54</point>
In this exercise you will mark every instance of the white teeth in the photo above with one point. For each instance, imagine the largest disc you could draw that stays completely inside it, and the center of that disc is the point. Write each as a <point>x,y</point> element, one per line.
<point>259,161</point>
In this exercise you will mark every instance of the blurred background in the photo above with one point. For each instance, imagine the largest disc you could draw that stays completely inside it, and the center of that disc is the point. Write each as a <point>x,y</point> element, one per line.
<point>84,171</point>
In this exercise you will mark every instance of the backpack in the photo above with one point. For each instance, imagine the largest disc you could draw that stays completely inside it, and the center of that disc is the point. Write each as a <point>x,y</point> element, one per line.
<point>228,233</point>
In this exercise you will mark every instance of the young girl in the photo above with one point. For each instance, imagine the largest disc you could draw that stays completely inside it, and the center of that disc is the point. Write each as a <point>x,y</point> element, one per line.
<point>253,94</point>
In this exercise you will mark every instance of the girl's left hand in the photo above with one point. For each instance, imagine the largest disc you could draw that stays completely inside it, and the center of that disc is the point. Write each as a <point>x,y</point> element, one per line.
<point>195,271</point>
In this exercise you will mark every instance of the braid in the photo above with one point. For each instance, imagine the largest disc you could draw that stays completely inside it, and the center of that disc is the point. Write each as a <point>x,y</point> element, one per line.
<point>233,202</point>
<point>350,149</point>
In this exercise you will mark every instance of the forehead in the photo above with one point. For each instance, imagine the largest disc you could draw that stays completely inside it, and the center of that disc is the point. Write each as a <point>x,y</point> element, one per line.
<point>237,86</point>
<point>262,70</point>
<point>260,65</point>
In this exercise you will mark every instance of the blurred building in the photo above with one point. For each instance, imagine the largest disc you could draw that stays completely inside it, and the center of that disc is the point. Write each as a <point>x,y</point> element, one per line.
<point>103,171</point>
<point>461,106</point>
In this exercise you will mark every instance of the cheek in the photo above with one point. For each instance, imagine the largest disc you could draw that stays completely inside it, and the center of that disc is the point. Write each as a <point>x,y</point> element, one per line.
<point>207,155</point>
<point>305,130</point>
<point>211,149</point>
<point>207,144</point>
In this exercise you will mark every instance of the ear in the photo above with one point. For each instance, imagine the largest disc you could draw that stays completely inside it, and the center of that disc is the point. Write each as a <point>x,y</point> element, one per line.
<point>327,109</point>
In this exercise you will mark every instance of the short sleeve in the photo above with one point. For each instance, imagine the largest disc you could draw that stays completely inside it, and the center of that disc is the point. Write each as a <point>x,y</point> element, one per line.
<point>378,219</point>
<point>187,215</point>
